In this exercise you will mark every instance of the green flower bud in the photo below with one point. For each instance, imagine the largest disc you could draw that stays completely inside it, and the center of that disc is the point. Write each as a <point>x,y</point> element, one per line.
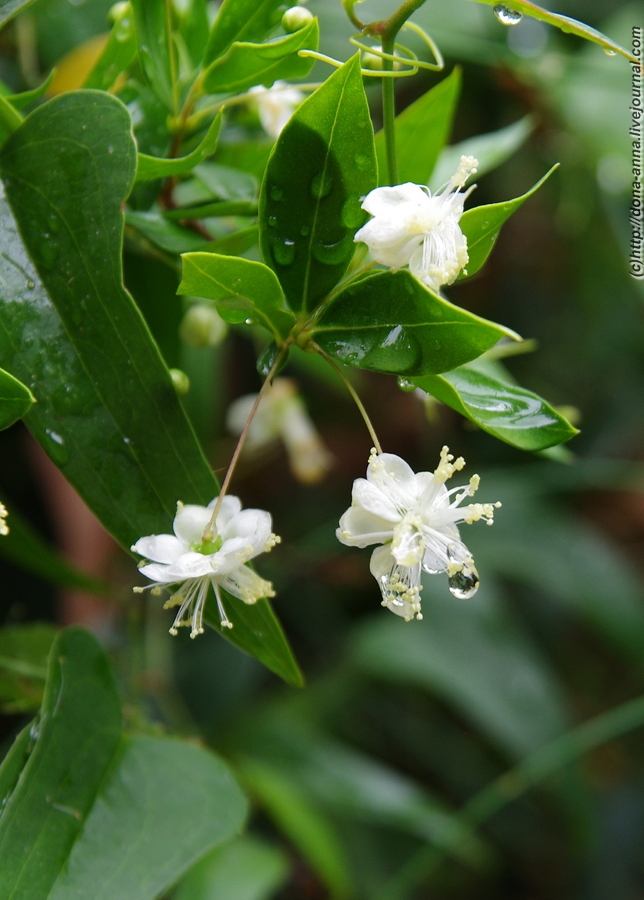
<point>180,381</point>
<point>202,326</point>
<point>117,11</point>
<point>295,18</point>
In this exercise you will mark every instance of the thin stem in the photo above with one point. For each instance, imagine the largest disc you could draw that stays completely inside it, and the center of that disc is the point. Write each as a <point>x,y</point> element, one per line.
<point>389,108</point>
<point>517,781</point>
<point>356,399</point>
<point>171,55</point>
<point>208,533</point>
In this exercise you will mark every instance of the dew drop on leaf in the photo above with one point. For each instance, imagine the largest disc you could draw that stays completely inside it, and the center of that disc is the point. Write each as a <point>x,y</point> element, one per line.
<point>506,15</point>
<point>284,252</point>
<point>406,385</point>
<point>321,185</point>
<point>276,193</point>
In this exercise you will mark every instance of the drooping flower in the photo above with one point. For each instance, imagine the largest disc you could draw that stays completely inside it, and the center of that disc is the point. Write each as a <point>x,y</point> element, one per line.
<point>283,416</point>
<point>415,518</point>
<point>410,226</point>
<point>275,105</point>
<point>191,564</point>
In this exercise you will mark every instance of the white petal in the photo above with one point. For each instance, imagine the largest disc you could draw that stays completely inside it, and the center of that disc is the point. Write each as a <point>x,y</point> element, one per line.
<point>189,523</point>
<point>230,506</point>
<point>254,525</point>
<point>395,478</point>
<point>161,548</point>
<point>381,562</point>
<point>242,582</point>
<point>388,201</point>
<point>373,500</point>
<point>157,572</point>
<point>360,528</point>
<point>190,565</point>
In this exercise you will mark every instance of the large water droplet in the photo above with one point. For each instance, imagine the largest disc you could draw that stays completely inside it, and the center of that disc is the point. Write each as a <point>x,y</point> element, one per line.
<point>321,185</point>
<point>506,15</point>
<point>276,193</point>
<point>352,213</point>
<point>406,385</point>
<point>330,254</point>
<point>465,582</point>
<point>609,52</point>
<point>399,351</point>
<point>272,221</point>
<point>284,252</point>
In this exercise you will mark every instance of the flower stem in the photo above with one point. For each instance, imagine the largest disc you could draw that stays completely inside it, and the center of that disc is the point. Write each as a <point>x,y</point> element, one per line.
<point>208,533</point>
<point>389,109</point>
<point>358,402</point>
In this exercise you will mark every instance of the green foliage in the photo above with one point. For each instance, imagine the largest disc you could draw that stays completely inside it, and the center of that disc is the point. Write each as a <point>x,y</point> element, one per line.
<point>23,666</point>
<point>321,167</point>
<point>241,20</point>
<point>148,167</point>
<point>86,792</point>
<point>156,53</point>
<point>241,288</point>
<point>15,399</point>
<point>118,53</point>
<point>390,322</point>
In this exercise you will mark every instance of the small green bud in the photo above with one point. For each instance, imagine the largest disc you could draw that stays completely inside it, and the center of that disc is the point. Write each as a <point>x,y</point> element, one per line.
<point>371,60</point>
<point>202,326</point>
<point>180,381</point>
<point>295,18</point>
<point>117,11</point>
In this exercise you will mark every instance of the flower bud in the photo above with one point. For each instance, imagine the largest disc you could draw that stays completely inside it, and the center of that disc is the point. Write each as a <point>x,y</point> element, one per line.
<point>371,60</point>
<point>117,11</point>
<point>295,18</point>
<point>180,381</point>
<point>202,326</point>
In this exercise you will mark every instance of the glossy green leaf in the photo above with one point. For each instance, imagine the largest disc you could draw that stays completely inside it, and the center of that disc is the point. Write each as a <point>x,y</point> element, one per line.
<point>236,243</point>
<point>227,183</point>
<point>481,226</point>
<point>9,8</point>
<point>244,869</point>
<point>28,549</point>
<point>246,64</point>
<point>163,233</point>
<point>241,20</point>
<point>491,150</point>
<point>10,119</point>
<point>566,24</point>
<point>13,764</point>
<point>506,411</point>
<point>214,210</point>
<point>390,322</point>
<point>149,167</point>
<point>23,665</point>
<point>118,53</point>
<point>422,130</point>
<point>322,166</point>
<point>155,48</point>
<point>15,399</point>
<point>474,655</point>
<point>242,289</point>
<point>107,412</point>
<point>193,27</point>
<point>88,814</point>
<point>25,98</point>
<point>301,820</point>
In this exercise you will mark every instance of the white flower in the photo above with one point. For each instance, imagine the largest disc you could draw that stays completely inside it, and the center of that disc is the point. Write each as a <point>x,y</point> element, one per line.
<point>282,415</point>
<point>4,528</point>
<point>275,105</point>
<point>410,226</point>
<point>414,516</point>
<point>184,559</point>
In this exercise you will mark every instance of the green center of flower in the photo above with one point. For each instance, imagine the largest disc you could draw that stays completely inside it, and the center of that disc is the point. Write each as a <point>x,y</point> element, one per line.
<point>207,547</point>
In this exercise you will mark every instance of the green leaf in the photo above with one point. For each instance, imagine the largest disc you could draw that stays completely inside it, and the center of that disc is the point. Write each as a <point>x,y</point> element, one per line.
<point>390,322</point>
<point>10,119</point>
<point>301,820</point>
<point>28,549</point>
<point>193,27</point>
<point>241,20</point>
<point>15,399</point>
<point>422,130</point>
<point>164,234</point>
<point>107,412</point>
<point>246,64</point>
<point>149,167</point>
<point>236,243</point>
<point>566,24</point>
<point>23,665</point>
<point>227,183</point>
<point>217,209</point>
<point>25,98</point>
<point>491,150</point>
<point>242,288</point>
<point>155,48</point>
<point>9,8</point>
<point>481,226</point>
<point>244,869</point>
<point>322,166</point>
<point>88,815</point>
<point>118,53</point>
<point>506,411</point>
<point>474,655</point>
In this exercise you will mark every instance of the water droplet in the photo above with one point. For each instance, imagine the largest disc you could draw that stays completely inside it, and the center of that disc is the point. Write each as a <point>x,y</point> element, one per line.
<point>276,193</point>
<point>305,230</point>
<point>249,321</point>
<point>406,385</point>
<point>352,214</point>
<point>284,252</point>
<point>332,254</point>
<point>321,185</point>
<point>465,582</point>
<point>609,52</point>
<point>506,15</point>
<point>399,351</point>
<point>55,447</point>
<point>31,285</point>
<point>272,221</point>
<point>362,161</point>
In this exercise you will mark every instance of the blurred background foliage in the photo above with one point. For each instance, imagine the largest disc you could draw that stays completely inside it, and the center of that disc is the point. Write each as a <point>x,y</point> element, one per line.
<point>356,778</point>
